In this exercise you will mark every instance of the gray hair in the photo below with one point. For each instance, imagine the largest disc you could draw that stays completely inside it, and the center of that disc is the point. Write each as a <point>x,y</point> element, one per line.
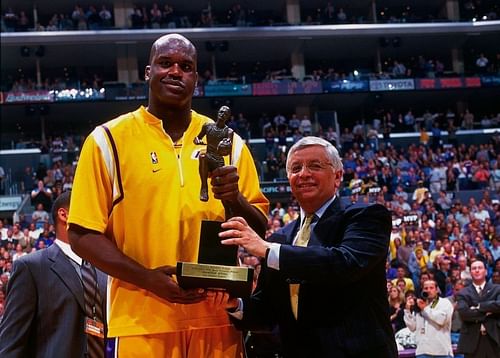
<point>330,150</point>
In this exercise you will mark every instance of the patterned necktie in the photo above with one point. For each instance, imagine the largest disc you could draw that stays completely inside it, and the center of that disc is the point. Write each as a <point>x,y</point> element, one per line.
<point>93,308</point>
<point>302,239</point>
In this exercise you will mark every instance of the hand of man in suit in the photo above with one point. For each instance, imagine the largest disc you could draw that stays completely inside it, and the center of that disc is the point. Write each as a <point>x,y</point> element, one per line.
<point>238,232</point>
<point>221,300</point>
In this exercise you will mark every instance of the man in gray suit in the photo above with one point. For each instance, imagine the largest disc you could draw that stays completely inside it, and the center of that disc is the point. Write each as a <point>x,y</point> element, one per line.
<point>479,307</point>
<point>44,313</point>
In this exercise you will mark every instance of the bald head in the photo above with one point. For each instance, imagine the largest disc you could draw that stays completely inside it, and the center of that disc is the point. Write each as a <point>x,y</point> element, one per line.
<point>172,41</point>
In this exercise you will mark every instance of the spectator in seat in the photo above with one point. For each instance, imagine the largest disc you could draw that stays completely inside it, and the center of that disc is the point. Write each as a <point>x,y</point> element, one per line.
<point>106,17</point>
<point>40,216</point>
<point>402,275</point>
<point>41,195</point>
<point>396,305</point>
<point>482,64</point>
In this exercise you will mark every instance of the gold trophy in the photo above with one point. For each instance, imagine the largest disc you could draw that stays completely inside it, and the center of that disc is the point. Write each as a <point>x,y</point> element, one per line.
<point>217,266</point>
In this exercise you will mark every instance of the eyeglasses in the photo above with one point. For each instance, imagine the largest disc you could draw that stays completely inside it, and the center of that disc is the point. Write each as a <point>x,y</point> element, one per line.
<point>312,167</point>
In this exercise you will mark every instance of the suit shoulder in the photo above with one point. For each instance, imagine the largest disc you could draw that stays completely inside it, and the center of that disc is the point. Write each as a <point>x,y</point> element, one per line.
<point>467,290</point>
<point>32,258</point>
<point>372,209</point>
<point>281,235</point>
<point>493,286</point>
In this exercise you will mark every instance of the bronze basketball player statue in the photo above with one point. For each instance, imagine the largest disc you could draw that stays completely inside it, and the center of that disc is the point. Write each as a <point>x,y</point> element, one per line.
<point>219,144</point>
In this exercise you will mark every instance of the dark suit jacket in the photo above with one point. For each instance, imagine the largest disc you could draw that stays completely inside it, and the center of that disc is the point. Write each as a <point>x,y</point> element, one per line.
<point>489,301</point>
<point>343,306</point>
<point>44,313</point>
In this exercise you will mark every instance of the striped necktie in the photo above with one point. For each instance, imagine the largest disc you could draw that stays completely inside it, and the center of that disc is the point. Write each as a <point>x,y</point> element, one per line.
<point>93,309</point>
<point>302,239</point>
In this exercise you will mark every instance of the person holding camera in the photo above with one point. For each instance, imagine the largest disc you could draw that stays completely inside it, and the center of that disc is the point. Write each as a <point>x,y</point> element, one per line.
<point>430,318</point>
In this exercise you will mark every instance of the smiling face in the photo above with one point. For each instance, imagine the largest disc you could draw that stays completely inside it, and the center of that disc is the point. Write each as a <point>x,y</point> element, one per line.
<point>316,181</point>
<point>172,72</point>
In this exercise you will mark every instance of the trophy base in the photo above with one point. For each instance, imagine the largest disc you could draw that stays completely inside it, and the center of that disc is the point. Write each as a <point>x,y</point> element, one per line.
<point>236,280</point>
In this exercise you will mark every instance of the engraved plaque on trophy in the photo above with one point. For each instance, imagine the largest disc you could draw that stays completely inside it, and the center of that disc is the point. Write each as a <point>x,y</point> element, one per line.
<point>217,267</point>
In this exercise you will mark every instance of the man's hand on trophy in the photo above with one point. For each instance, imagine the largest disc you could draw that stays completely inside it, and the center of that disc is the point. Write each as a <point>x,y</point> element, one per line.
<point>160,282</point>
<point>224,182</point>
<point>238,232</point>
<point>220,299</point>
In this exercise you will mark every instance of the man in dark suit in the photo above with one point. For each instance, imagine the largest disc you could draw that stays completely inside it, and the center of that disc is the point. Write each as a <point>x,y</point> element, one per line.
<point>44,313</point>
<point>334,256</point>
<point>479,307</point>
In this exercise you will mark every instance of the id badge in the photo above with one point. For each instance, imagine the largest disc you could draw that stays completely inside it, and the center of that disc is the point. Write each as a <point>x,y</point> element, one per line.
<point>94,327</point>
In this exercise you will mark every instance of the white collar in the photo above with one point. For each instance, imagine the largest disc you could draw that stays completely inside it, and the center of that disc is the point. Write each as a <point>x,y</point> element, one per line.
<point>319,213</point>
<point>66,248</point>
<point>481,286</point>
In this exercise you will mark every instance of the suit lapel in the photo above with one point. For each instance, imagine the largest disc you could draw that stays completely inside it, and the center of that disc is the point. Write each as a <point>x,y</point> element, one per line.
<point>486,290</point>
<point>102,281</point>
<point>66,272</point>
<point>286,234</point>
<point>292,231</point>
<point>324,232</point>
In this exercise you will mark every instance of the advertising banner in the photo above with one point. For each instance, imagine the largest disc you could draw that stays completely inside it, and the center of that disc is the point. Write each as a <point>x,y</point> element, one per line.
<point>10,203</point>
<point>490,81</point>
<point>446,83</point>
<point>227,90</point>
<point>345,86</point>
<point>28,97</point>
<point>406,84</point>
<point>286,88</point>
<point>276,190</point>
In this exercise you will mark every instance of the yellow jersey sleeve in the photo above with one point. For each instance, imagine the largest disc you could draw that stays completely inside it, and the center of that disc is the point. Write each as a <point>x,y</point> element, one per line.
<point>94,187</point>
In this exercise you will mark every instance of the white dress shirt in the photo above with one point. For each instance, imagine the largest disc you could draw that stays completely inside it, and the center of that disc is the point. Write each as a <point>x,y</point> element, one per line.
<point>66,248</point>
<point>273,259</point>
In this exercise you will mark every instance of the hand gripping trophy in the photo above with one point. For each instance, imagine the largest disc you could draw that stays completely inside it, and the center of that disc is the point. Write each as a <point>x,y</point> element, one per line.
<point>219,144</point>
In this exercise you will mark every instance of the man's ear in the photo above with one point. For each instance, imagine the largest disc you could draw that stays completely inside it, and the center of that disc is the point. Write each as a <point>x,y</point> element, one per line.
<point>62,214</point>
<point>146,73</point>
